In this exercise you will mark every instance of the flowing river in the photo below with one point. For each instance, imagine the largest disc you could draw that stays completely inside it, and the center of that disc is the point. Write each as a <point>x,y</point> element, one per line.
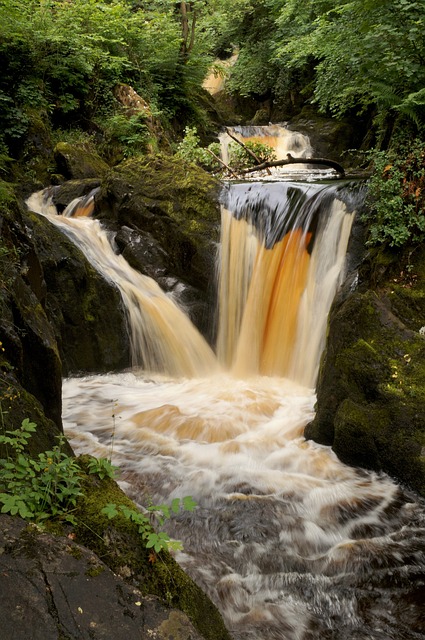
<point>287,541</point>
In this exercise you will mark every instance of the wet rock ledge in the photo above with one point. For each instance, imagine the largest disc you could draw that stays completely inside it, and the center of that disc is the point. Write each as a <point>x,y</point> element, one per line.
<point>53,588</point>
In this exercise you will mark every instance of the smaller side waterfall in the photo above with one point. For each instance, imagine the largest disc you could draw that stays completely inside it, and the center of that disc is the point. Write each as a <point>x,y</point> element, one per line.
<point>276,136</point>
<point>162,337</point>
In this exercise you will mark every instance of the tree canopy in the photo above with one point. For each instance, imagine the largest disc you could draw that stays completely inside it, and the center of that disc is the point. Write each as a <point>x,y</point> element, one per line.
<point>61,59</point>
<point>346,56</point>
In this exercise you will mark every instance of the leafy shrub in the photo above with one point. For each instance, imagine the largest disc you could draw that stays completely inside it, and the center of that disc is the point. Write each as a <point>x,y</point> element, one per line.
<point>131,134</point>
<point>190,150</point>
<point>49,485</point>
<point>240,158</point>
<point>37,488</point>
<point>396,197</point>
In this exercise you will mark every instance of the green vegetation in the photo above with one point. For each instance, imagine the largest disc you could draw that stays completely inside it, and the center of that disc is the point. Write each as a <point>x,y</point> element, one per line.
<point>62,62</point>
<point>240,157</point>
<point>244,157</point>
<point>345,56</point>
<point>191,150</point>
<point>47,487</point>
<point>396,212</point>
<point>153,540</point>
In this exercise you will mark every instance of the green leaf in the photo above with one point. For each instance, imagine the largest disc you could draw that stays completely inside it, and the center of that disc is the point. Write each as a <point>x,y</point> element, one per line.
<point>175,505</point>
<point>188,503</point>
<point>110,510</point>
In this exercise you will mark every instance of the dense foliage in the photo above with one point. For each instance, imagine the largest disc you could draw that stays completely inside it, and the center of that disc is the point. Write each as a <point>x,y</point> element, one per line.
<point>395,215</point>
<point>348,56</point>
<point>62,60</point>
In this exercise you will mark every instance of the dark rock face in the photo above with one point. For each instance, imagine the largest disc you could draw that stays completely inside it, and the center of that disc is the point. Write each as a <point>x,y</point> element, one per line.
<point>65,193</point>
<point>85,311</point>
<point>370,394</point>
<point>167,221</point>
<point>30,366</point>
<point>54,588</point>
<point>329,138</point>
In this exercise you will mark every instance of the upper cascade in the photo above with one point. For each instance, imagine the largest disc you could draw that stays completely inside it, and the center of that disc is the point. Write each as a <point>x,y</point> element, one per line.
<point>277,136</point>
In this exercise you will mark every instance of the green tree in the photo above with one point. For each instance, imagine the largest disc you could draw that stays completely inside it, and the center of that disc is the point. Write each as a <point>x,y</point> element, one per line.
<point>366,54</point>
<point>62,60</point>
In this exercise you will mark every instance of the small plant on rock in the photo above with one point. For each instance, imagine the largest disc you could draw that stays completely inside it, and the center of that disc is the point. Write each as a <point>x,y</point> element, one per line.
<point>152,539</point>
<point>41,487</point>
<point>48,486</point>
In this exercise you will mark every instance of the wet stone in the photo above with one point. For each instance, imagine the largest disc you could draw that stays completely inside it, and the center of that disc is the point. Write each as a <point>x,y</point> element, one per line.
<point>53,588</point>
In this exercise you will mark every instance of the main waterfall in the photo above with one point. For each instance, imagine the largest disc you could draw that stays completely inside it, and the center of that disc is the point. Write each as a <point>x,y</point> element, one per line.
<point>282,254</point>
<point>287,541</point>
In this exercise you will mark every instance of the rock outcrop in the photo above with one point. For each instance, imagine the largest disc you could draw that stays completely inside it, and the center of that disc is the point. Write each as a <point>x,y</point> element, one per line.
<point>166,215</point>
<point>52,587</point>
<point>370,394</point>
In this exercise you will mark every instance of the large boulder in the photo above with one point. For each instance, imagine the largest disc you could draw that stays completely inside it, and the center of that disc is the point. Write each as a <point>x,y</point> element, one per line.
<point>371,389</point>
<point>85,310</point>
<point>76,161</point>
<point>53,587</point>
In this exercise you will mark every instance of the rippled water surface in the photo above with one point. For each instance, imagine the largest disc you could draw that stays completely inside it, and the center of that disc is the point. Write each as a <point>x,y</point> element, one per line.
<point>286,540</point>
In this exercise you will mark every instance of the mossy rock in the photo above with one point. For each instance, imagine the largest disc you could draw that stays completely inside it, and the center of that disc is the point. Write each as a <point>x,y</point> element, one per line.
<point>76,162</point>
<point>167,216</point>
<point>165,186</point>
<point>29,348</point>
<point>17,404</point>
<point>354,440</point>
<point>371,388</point>
<point>117,542</point>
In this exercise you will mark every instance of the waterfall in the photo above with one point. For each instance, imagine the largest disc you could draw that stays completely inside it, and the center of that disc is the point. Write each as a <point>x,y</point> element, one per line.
<point>281,260</point>
<point>282,254</point>
<point>162,338</point>
<point>287,541</point>
<point>281,139</point>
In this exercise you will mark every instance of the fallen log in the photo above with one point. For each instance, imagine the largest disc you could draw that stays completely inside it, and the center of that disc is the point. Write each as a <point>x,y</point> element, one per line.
<point>291,160</point>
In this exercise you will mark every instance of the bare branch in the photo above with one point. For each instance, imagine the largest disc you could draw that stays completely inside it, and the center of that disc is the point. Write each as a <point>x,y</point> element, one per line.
<point>291,160</point>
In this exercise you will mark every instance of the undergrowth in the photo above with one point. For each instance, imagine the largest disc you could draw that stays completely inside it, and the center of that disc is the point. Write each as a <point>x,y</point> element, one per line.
<point>396,211</point>
<point>47,487</point>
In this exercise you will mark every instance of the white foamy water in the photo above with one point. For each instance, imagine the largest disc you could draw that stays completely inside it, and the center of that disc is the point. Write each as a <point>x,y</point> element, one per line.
<point>286,540</point>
